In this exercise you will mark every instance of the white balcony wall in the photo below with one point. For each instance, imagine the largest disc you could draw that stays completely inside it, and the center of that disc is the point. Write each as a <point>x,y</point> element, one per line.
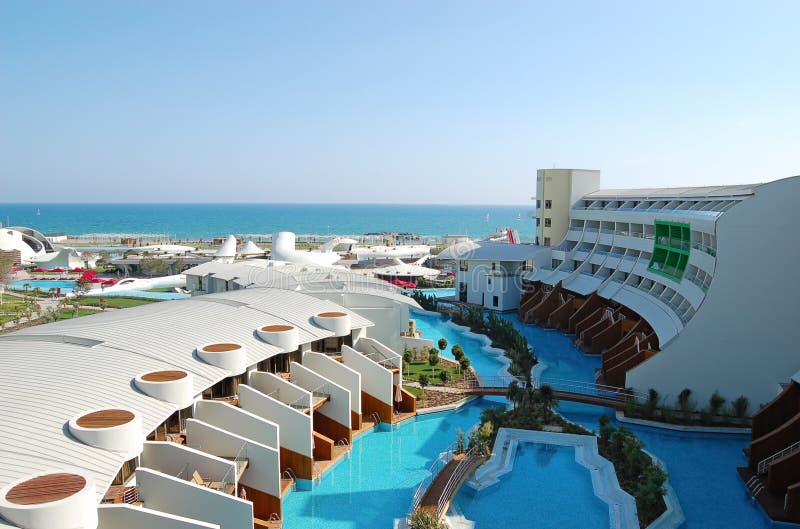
<point>263,462</point>
<point>162,492</point>
<point>338,407</point>
<point>174,459</point>
<point>376,380</point>
<point>238,421</point>
<point>279,389</point>
<point>124,516</point>
<point>339,373</point>
<point>295,426</point>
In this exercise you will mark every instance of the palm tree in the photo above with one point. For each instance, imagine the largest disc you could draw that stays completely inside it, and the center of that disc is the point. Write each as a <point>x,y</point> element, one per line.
<point>526,361</point>
<point>25,288</point>
<point>514,393</point>
<point>548,399</point>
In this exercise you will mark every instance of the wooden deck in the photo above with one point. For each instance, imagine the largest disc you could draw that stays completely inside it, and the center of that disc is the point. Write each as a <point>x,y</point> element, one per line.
<point>105,419</point>
<point>45,489</point>
<point>771,503</point>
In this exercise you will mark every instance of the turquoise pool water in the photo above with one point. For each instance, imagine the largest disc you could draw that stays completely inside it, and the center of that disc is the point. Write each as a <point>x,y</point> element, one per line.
<point>702,467</point>
<point>69,286</point>
<point>65,286</point>
<point>484,360</point>
<point>376,483</point>
<point>546,489</point>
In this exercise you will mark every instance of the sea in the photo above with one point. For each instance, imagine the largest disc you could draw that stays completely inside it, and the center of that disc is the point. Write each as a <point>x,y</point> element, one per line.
<point>195,221</point>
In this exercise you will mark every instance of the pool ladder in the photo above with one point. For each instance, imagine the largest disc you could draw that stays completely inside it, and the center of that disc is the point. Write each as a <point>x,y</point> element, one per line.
<point>375,417</point>
<point>755,486</point>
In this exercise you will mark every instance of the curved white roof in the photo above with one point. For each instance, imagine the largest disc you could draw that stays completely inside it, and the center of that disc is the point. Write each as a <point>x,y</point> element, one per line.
<point>227,248</point>
<point>250,248</point>
<point>51,373</point>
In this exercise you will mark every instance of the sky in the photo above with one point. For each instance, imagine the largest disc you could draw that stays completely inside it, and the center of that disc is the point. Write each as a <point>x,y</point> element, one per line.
<point>393,101</point>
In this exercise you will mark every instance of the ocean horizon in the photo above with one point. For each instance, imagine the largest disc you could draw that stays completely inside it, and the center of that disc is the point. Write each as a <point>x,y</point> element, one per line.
<point>207,220</point>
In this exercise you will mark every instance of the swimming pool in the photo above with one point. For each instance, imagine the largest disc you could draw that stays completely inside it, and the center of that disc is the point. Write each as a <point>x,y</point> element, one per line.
<point>545,489</point>
<point>702,467</point>
<point>376,483</point>
<point>484,360</point>
<point>44,284</point>
<point>68,286</point>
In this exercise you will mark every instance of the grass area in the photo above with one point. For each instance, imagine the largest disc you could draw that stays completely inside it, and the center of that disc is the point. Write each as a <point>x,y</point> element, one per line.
<point>67,314</point>
<point>413,370</point>
<point>162,289</point>
<point>116,302</point>
<point>417,392</point>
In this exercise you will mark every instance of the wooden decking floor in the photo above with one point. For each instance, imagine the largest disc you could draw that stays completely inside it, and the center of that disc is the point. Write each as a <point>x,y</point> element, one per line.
<point>771,503</point>
<point>402,416</point>
<point>321,465</point>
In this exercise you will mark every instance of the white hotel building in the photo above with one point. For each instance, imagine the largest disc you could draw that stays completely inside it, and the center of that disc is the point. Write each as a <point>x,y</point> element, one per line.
<point>189,414</point>
<point>673,288</point>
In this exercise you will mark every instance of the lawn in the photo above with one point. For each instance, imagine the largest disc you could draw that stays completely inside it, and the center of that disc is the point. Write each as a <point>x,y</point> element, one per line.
<point>116,302</point>
<point>413,370</point>
<point>67,314</point>
<point>417,392</point>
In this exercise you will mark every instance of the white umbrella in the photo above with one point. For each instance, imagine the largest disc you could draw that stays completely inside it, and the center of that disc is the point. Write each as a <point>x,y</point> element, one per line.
<point>398,395</point>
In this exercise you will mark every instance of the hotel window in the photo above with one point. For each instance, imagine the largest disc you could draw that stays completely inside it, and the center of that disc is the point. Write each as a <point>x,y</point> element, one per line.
<point>538,204</point>
<point>547,241</point>
<point>462,266</point>
<point>494,267</point>
<point>495,301</point>
<point>547,222</point>
<point>538,222</point>
<point>489,281</point>
<point>548,204</point>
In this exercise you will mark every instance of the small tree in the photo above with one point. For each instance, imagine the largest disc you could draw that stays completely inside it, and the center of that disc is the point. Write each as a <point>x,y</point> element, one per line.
<point>444,375</point>
<point>716,403</point>
<point>103,304</point>
<point>741,406</point>
<point>686,404</point>
<point>514,393</point>
<point>461,441</point>
<point>442,343</point>
<point>464,363</point>
<point>433,360</point>
<point>407,357</point>
<point>458,352</point>
<point>548,399</point>
<point>423,383</point>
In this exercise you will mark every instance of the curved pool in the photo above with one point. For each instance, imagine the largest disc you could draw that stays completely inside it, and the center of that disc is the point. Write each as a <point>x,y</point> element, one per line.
<point>701,467</point>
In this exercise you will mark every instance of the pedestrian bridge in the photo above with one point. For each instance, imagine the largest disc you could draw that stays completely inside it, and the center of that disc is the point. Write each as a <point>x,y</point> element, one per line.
<point>569,390</point>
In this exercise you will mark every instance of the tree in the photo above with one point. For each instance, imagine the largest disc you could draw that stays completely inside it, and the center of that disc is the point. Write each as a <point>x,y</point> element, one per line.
<point>464,363</point>
<point>25,288</point>
<point>458,352</point>
<point>686,404</point>
<point>433,360</point>
<point>442,343</point>
<point>514,393</point>
<point>526,361</point>
<point>151,266</point>
<point>423,383</point>
<point>716,403</point>
<point>444,375</point>
<point>740,406</point>
<point>548,399</point>
<point>103,304</point>
<point>407,357</point>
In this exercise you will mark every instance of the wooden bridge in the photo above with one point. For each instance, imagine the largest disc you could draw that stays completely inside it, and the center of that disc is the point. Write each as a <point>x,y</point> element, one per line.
<point>569,390</point>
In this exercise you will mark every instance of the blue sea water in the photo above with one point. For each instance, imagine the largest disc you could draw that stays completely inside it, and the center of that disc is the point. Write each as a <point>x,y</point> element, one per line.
<point>182,221</point>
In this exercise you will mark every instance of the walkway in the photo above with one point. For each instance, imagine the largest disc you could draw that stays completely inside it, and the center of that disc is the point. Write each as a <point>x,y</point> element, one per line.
<point>570,390</point>
<point>443,488</point>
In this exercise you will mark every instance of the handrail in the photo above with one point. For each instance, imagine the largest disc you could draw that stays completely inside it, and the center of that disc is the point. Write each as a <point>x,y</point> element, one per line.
<point>615,393</point>
<point>290,473</point>
<point>454,480</point>
<point>764,464</point>
<point>433,470</point>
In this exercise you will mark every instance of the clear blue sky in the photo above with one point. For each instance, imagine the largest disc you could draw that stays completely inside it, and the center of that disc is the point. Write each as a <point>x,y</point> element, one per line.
<point>408,101</point>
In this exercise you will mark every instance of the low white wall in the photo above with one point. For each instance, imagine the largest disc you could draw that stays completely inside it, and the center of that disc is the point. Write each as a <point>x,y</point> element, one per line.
<point>124,516</point>
<point>162,492</point>
<point>237,421</point>
<point>339,373</point>
<point>420,344</point>
<point>263,462</point>
<point>171,458</point>
<point>375,379</point>
<point>295,426</point>
<point>278,388</point>
<point>338,407</point>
